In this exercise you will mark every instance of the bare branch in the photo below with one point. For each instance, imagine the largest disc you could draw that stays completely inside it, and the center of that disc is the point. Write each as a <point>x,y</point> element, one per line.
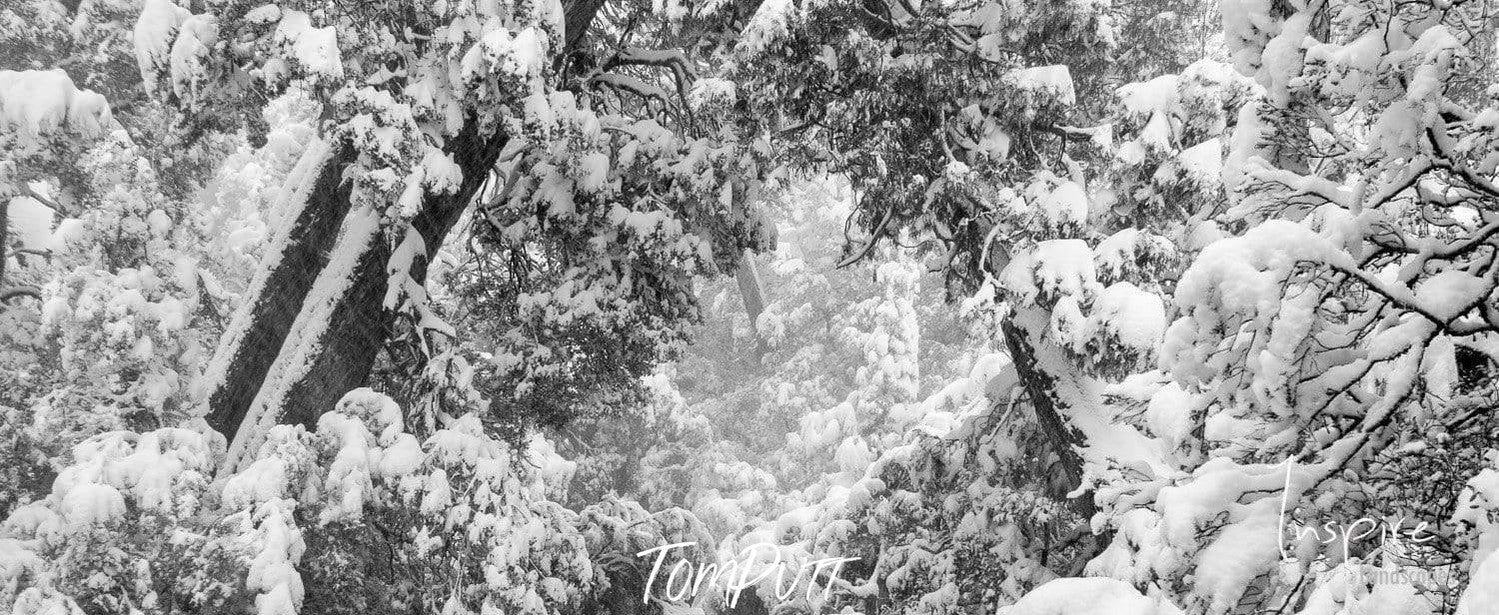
<point>8,294</point>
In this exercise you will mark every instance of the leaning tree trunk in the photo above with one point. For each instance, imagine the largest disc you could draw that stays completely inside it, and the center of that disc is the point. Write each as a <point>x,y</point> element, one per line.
<point>256,368</point>
<point>315,200</point>
<point>8,293</point>
<point>4,236</point>
<point>752,290</point>
<point>1055,396</point>
<point>317,317</point>
<point>1050,404</point>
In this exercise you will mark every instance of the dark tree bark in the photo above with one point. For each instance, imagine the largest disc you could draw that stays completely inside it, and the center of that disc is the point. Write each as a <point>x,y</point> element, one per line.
<point>1040,387</point>
<point>4,237</point>
<point>344,351</point>
<point>1044,391</point>
<point>8,293</point>
<point>752,290</point>
<point>361,324</point>
<point>354,337</point>
<point>309,239</point>
<point>578,15</point>
<point>358,325</point>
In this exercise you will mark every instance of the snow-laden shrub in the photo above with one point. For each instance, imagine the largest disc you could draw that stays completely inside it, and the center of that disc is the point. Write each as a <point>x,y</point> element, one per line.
<point>357,516</point>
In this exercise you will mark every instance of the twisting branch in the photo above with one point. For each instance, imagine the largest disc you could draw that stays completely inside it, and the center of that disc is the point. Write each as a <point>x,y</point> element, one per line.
<point>673,59</point>
<point>632,85</point>
<point>9,294</point>
<point>874,240</point>
<point>51,203</point>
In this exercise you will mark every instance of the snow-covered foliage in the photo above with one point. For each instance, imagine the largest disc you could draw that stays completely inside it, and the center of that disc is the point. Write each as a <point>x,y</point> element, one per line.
<point>1079,306</point>
<point>829,375</point>
<point>1318,349</point>
<point>466,529</point>
<point>117,328</point>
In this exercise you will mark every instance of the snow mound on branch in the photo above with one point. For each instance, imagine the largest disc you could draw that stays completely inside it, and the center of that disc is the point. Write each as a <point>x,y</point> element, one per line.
<point>196,38</point>
<point>35,103</point>
<point>354,425</point>
<point>1056,268</point>
<point>1450,293</point>
<point>1244,275</point>
<point>1479,510</point>
<point>278,547</point>
<point>31,223</point>
<point>770,23</point>
<point>151,468</point>
<point>92,503</point>
<point>522,55</point>
<point>1066,205</point>
<point>315,49</point>
<point>1051,83</point>
<point>1247,25</point>
<point>155,30</point>
<point>1149,97</point>
<point>1203,163</point>
<point>1482,597</point>
<point>1136,317</point>
<point>1088,596</point>
<point>1246,548</point>
<point>710,91</point>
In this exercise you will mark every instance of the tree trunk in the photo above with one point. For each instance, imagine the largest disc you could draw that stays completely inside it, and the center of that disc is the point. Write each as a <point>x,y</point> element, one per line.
<point>311,354</point>
<point>4,236</point>
<point>360,323</point>
<point>1052,401</point>
<point>258,331</point>
<point>577,16</point>
<point>1050,404</point>
<point>317,329</point>
<point>316,200</point>
<point>8,293</point>
<point>752,290</point>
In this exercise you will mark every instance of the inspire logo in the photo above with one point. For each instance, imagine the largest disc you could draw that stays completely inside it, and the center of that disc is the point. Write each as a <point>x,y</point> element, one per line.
<point>686,579</point>
<point>1392,533</point>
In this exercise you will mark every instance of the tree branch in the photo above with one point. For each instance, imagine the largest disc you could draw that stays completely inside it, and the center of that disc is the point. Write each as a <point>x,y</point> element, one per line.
<point>8,294</point>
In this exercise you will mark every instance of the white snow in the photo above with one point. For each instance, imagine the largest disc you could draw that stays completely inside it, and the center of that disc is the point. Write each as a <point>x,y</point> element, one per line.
<point>1482,595</point>
<point>314,49</point>
<point>154,33</point>
<point>711,91</point>
<point>1048,83</point>
<point>1450,293</point>
<point>1147,98</point>
<point>520,55</point>
<point>1246,548</point>
<point>30,223</point>
<point>1169,414</point>
<point>92,503</point>
<point>1137,318</point>
<point>279,547</point>
<point>1203,163</point>
<point>1065,205</point>
<point>37,103</point>
<point>1057,267</point>
<point>1088,596</point>
<point>196,38</point>
<point>1479,509</point>
<point>771,22</point>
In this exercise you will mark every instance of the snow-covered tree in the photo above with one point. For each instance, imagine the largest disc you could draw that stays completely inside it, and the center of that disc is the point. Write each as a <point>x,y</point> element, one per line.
<point>326,307</point>
<point>603,196</point>
<point>1314,362</point>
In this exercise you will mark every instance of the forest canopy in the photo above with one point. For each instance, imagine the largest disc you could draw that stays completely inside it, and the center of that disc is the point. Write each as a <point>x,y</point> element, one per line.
<point>1013,306</point>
